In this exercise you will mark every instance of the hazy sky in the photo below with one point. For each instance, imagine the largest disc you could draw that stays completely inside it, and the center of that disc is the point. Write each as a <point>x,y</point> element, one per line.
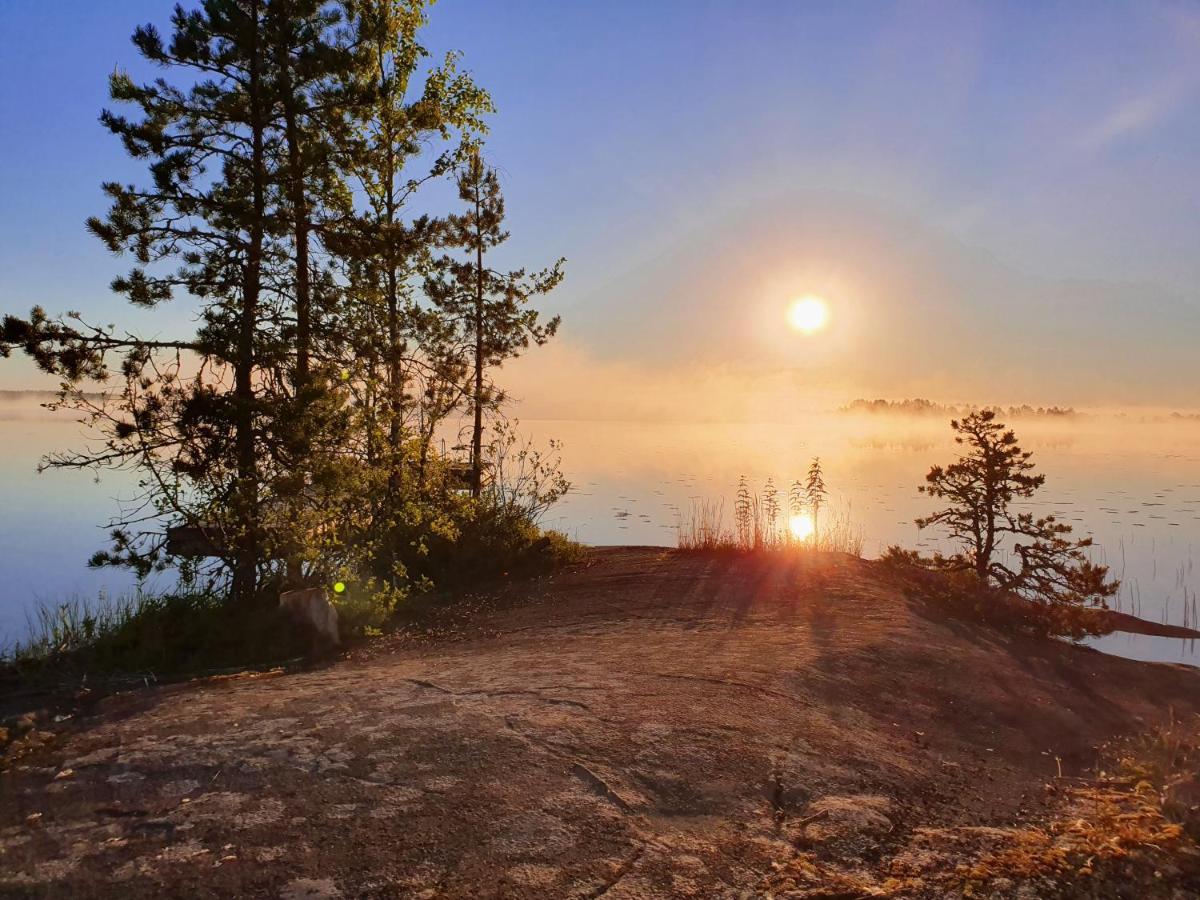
<point>999,201</point>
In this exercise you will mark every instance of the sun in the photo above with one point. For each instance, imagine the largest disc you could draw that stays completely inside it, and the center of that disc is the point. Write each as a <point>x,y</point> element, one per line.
<point>808,315</point>
<point>801,526</point>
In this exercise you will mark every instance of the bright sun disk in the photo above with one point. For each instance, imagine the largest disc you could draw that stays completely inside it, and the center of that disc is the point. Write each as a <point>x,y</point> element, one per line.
<point>801,526</point>
<point>808,314</point>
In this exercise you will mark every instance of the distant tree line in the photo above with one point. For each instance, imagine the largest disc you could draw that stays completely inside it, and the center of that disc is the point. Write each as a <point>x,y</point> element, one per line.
<point>340,324</point>
<point>17,396</point>
<point>922,407</point>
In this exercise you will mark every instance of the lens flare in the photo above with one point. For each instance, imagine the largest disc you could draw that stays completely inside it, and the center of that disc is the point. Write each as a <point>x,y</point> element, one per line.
<point>339,587</point>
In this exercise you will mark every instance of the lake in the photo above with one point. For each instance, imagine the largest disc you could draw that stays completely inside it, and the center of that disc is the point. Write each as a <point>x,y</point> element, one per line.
<point>1132,483</point>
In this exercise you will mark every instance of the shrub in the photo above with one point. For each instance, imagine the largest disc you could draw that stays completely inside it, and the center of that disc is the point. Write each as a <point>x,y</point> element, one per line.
<point>492,542</point>
<point>365,606</point>
<point>959,593</point>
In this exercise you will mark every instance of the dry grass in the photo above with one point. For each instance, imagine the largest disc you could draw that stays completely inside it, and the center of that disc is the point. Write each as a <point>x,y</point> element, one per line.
<point>1163,766</point>
<point>839,533</point>
<point>1128,832</point>
<point>703,527</point>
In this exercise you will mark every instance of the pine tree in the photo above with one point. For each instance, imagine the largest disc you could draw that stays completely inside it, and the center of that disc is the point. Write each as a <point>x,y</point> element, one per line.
<point>490,306</point>
<point>404,109</point>
<point>981,487</point>
<point>211,222</point>
<point>319,371</point>
<point>214,224</point>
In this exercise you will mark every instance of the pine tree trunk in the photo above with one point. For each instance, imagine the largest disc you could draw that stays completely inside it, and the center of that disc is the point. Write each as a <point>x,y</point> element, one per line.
<point>395,367</point>
<point>477,433</point>
<point>395,384</point>
<point>300,228</point>
<point>245,574</point>
<point>300,223</point>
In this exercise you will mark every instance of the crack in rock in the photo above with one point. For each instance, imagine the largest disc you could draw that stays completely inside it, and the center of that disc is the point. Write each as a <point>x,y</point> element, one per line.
<point>598,785</point>
<point>556,701</point>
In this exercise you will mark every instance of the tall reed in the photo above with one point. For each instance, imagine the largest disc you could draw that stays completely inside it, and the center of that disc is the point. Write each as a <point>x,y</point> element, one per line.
<point>759,525</point>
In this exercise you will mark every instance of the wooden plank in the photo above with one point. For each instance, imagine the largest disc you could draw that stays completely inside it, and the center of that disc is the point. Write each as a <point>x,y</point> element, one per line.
<point>194,541</point>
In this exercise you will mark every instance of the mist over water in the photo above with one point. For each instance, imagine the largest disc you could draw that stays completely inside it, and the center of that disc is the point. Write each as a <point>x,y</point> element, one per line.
<point>1133,485</point>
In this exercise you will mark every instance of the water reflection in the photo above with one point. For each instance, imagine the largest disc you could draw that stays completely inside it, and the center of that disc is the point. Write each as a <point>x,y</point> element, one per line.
<point>50,523</point>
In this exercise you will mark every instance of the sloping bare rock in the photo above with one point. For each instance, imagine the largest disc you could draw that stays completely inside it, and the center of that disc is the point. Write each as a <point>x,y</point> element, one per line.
<point>649,724</point>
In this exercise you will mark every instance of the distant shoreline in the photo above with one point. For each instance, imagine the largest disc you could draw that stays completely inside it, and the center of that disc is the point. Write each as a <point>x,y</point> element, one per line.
<point>13,396</point>
<point>917,408</point>
<point>920,407</point>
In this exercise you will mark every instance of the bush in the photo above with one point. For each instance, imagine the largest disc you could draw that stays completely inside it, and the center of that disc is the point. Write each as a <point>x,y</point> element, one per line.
<point>959,593</point>
<point>365,607</point>
<point>495,543</point>
<point>452,540</point>
<point>439,537</point>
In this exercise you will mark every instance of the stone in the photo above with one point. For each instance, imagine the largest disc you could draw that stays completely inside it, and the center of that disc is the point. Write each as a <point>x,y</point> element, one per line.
<point>833,818</point>
<point>311,610</point>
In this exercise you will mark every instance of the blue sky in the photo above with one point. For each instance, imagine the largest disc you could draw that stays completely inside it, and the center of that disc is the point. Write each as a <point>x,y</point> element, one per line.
<point>998,199</point>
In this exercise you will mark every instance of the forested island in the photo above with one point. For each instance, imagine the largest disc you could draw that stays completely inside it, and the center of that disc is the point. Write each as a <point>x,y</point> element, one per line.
<point>921,407</point>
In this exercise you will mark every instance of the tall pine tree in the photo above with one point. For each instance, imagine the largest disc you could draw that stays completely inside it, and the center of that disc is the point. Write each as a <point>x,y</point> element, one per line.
<point>490,306</point>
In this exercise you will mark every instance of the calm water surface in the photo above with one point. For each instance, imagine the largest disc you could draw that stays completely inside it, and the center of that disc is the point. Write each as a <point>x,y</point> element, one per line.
<point>1132,485</point>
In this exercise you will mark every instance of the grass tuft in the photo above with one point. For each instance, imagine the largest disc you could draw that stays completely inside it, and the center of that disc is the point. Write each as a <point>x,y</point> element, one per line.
<point>760,526</point>
<point>150,635</point>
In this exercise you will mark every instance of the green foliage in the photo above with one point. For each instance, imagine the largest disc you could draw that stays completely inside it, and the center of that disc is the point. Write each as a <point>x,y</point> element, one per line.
<point>490,308</point>
<point>498,533</point>
<point>955,591</point>
<point>338,330</point>
<point>366,605</point>
<point>155,636</point>
<point>491,543</point>
<point>525,481</point>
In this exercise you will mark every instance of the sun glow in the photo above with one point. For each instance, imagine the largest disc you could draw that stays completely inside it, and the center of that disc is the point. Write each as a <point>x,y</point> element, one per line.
<point>801,526</point>
<point>808,314</point>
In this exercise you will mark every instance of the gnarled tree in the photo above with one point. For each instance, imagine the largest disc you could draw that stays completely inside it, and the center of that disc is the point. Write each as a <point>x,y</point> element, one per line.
<point>981,488</point>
